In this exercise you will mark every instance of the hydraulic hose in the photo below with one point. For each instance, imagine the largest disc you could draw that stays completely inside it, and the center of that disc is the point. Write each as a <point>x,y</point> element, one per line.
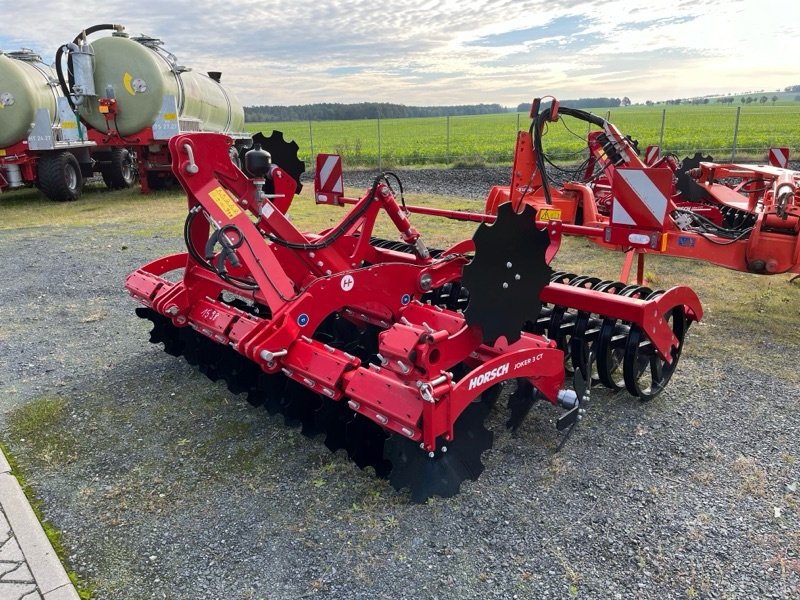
<point>66,87</point>
<point>536,134</point>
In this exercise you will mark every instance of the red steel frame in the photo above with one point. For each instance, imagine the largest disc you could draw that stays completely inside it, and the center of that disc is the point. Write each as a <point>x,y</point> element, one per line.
<point>18,154</point>
<point>770,193</point>
<point>412,392</point>
<point>150,151</point>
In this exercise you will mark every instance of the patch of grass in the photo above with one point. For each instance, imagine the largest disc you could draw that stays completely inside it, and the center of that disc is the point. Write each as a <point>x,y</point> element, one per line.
<point>39,426</point>
<point>754,477</point>
<point>54,535</point>
<point>27,208</point>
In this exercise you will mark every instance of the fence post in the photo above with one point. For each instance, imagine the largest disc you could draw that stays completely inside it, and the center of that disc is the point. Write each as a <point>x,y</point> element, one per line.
<point>311,138</point>
<point>380,168</point>
<point>517,121</point>
<point>447,139</point>
<point>608,116</point>
<point>735,133</point>
<point>661,135</point>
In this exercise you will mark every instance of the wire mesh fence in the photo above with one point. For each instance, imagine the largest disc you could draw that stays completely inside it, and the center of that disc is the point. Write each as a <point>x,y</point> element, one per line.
<point>722,132</point>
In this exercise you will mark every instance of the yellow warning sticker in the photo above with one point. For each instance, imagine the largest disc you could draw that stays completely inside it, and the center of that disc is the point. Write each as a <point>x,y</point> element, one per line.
<point>170,116</point>
<point>2,152</point>
<point>226,204</point>
<point>549,214</point>
<point>127,78</point>
<point>69,124</point>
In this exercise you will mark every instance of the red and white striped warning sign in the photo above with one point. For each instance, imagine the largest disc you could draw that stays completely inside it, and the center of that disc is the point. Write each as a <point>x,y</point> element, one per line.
<point>641,197</point>
<point>779,157</point>
<point>328,181</point>
<point>651,155</point>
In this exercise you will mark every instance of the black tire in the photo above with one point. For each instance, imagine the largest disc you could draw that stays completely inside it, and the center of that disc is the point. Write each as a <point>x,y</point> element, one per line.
<point>160,180</point>
<point>121,171</point>
<point>59,176</point>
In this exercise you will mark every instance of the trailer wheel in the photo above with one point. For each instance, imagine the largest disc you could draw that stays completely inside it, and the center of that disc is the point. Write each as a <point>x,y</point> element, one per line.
<point>59,176</point>
<point>160,180</point>
<point>121,171</point>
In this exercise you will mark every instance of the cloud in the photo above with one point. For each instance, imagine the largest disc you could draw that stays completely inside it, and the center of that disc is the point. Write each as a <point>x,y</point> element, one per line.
<point>447,51</point>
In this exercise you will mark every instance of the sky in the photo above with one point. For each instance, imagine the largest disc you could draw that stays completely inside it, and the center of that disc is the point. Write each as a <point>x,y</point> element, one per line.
<point>445,52</point>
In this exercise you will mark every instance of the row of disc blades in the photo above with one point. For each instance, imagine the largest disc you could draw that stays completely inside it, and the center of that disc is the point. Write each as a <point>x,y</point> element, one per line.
<point>618,354</point>
<point>392,456</point>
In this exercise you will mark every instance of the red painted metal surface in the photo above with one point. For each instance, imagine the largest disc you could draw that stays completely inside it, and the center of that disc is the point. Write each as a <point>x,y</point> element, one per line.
<point>242,244</point>
<point>743,217</point>
<point>20,156</point>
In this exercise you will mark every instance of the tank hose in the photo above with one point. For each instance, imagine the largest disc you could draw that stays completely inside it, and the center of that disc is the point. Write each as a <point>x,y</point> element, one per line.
<point>60,52</point>
<point>61,81</point>
<point>94,28</point>
<point>65,87</point>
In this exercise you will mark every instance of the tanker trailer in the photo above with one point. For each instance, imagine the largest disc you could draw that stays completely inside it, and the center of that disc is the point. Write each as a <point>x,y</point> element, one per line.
<point>134,96</point>
<point>42,142</point>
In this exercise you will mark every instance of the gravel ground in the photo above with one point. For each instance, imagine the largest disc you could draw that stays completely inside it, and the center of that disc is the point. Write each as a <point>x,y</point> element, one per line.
<point>167,486</point>
<point>465,183</point>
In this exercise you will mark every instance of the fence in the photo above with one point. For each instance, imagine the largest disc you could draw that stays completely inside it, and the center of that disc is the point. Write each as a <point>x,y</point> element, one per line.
<point>723,132</point>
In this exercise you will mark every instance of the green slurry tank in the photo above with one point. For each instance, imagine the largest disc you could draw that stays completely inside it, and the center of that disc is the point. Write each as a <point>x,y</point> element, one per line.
<point>134,96</point>
<point>26,85</point>
<point>151,90</point>
<point>42,141</point>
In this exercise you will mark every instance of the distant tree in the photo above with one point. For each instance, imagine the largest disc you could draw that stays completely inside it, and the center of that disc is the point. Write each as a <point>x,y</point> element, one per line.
<point>592,103</point>
<point>364,110</point>
<point>763,99</point>
<point>774,100</point>
<point>648,102</point>
<point>749,99</point>
<point>626,101</point>
<point>743,100</point>
<point>792,88</point>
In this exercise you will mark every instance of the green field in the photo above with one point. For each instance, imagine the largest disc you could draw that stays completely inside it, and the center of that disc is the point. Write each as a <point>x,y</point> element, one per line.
<point>490,138</point>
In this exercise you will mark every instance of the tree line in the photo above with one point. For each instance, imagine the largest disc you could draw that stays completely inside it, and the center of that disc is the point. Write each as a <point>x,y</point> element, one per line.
<point>581,103</point>
<point>330,111</point>
<point>334,111</point>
